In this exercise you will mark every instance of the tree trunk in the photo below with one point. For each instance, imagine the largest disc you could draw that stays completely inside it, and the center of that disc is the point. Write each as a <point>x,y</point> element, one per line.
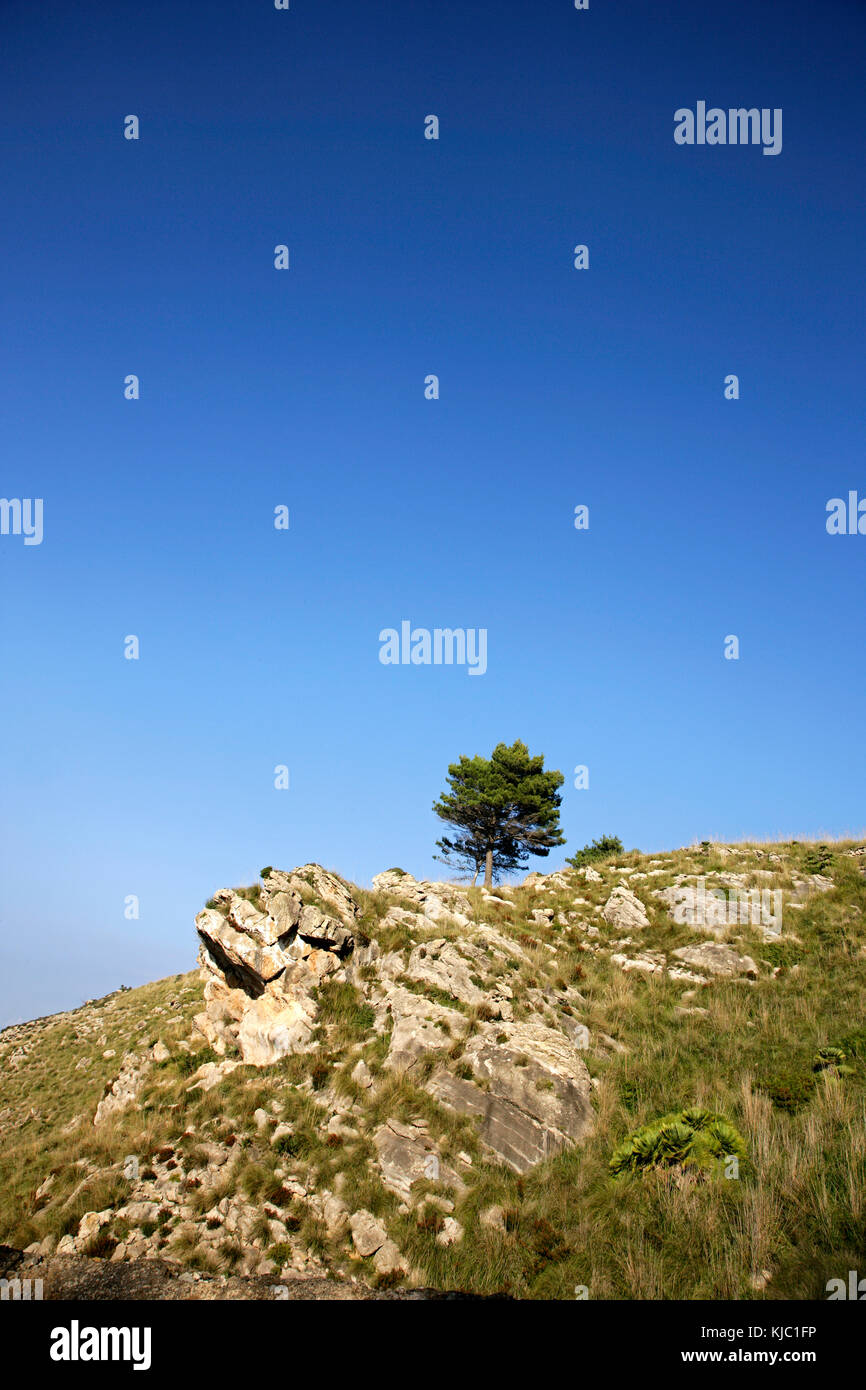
<point>475,876</point>
<point>488,869</point>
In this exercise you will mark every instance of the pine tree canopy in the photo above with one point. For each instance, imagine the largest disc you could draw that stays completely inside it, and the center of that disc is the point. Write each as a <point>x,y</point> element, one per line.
<point>500,809</point>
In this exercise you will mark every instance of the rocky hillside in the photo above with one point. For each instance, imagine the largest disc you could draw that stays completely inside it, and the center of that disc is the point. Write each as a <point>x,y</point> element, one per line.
<point>645,1078</point>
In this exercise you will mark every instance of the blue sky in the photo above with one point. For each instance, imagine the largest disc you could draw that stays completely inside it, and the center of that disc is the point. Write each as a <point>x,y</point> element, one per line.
<point>306,388</point>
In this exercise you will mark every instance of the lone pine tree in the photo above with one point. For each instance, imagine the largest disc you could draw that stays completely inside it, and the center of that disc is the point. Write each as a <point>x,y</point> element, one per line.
<point>502,809</point>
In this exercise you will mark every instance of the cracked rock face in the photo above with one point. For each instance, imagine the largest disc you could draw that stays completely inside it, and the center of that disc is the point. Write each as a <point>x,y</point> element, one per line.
<point>718,959</point>
<point>648,962</point>
<point>262,962</point>
<point>625,911</point>
<point>534,1096</point>
<point>442,965</point>
<point>420,1025</point>
<point>435,901</point>
<point>406,1153</point>
<point>525,1083</point>
<point>123,1090</point>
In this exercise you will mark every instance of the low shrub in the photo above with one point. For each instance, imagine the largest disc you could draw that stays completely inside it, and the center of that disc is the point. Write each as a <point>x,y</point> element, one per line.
<point>693,1138</point>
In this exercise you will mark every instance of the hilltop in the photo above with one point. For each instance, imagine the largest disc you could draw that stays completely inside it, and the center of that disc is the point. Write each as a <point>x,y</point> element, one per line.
<point>645,1078</point>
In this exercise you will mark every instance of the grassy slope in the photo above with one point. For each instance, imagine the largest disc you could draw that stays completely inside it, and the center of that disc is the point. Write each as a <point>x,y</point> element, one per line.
<point>798,1208</point>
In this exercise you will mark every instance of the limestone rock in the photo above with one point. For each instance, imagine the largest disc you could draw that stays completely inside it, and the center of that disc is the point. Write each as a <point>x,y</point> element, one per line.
<point>717,959</point>
<point>361,1074</point>
<point>123,1090</point>
<point>648,962</point>
<point>820,883</point>
<point>211,1074</point>
<point>335,1213</point>
<point>439,963</point>
<point>405,1154</point>
<point>436,901</point>
<point>265,955</point>
<point>312,883</point>
<point>89,1226</point>
<point>625,911</point>
<point>325,932</point>
<point>451,1233</point>
<point>676,972</point>
<point>137,1213</point>
<point>708,909</point>
<point>241,952</point>
<point>388,1259</point>
<point>368,1234</point>
<point>538,1092</point>
<point>679,901</point>
<point>420,1025</point>
<point>273,1026</point>
<point>261,965</point>
<point>493,943</point>
<point>493,1219</point>
<point>578,1032</point>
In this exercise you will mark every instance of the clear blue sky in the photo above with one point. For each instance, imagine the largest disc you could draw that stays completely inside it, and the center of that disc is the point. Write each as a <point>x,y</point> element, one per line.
<point>306,388</point>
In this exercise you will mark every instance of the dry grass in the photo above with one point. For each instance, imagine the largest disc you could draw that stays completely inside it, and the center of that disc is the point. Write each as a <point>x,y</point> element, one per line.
<point>798,1208</point>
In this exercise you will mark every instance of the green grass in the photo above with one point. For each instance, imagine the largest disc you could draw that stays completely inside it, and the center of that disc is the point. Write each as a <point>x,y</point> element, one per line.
<point>782,1059</point>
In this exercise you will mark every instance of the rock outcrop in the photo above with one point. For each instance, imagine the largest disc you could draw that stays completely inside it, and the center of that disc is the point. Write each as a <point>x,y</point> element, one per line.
<point>534,1093</point>
<point>718,959</point>
<point>264,955</point>
<point>371,1053</point>
<point>123,1090</point>
<point>625,911</point>
<point>435,901</point>
<point>262,961</point>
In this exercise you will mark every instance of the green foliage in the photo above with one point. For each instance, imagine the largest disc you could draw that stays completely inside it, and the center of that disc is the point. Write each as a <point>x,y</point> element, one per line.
<point>605,847</point>
<point>782,953</point>
<point>629,1094</point>
<point>502,809</point>
<point>837,916</point>
<point>854,1044</point>
<point>832,1059</point>
<point>185,1063</point>
<point>818,859</point>
<point>789,1091</point>
<point>693,1138</point>
<point>342,1009</point>
<point>252,892</point>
